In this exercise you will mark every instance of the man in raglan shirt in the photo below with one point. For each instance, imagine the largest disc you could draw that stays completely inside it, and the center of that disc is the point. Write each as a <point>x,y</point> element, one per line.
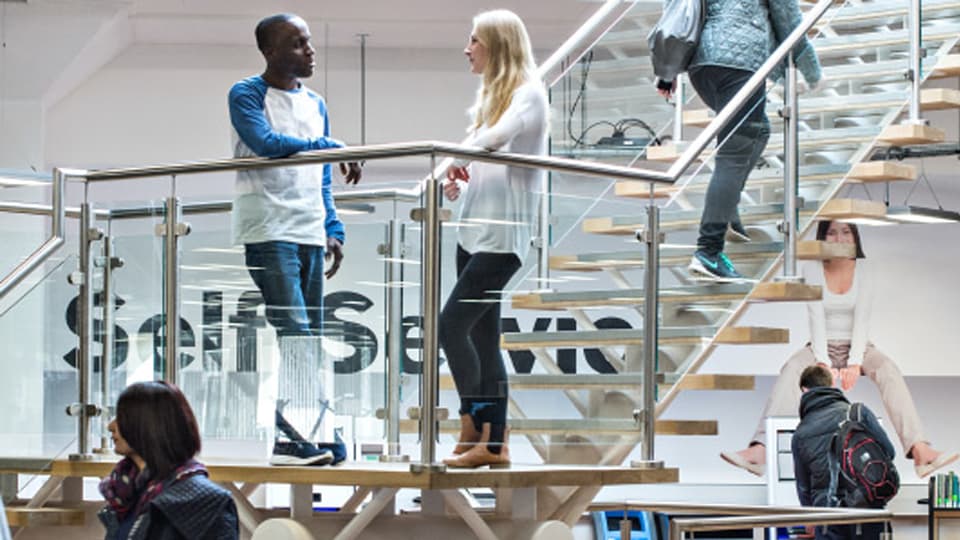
<point>286,220</point>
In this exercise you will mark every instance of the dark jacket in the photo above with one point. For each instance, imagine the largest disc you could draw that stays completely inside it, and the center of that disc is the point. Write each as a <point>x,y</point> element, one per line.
<point>193,508</point>
<point>821,411</point>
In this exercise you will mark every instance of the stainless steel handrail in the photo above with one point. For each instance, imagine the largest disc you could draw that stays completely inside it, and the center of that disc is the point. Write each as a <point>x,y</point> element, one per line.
<point>49,246</point>
<point>385,151</point>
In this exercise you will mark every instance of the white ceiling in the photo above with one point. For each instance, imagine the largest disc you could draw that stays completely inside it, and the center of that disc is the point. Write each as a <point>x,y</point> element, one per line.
<point>45,40</point>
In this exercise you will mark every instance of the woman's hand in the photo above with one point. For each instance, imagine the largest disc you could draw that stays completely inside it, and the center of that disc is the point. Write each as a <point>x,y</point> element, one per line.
<point>458,173</point>
<point>451,189</point>
<point>849,376</point>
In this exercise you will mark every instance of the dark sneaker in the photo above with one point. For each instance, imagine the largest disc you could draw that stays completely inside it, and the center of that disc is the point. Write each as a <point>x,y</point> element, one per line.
<point>737,233</point>
<point>717,268</point>
<point>299,453</point>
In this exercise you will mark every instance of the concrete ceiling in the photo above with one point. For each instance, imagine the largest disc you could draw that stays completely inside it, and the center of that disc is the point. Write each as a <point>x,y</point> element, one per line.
<point>52,45</point>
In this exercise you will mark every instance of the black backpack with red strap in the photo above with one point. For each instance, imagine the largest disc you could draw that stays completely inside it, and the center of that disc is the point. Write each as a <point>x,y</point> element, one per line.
<point>862,475</point>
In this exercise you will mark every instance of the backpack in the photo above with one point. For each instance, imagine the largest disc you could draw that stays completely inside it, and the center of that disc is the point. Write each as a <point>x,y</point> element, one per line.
<point>862,475</point>
<point>675,37</point>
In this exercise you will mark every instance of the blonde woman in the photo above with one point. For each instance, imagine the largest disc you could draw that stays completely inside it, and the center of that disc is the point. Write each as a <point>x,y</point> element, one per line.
<point>498,212</point>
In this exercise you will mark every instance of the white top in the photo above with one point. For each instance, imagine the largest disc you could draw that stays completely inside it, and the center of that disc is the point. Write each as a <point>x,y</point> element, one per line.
<point>500,205</point>
<point>290,204</point>
<point>840,317</point>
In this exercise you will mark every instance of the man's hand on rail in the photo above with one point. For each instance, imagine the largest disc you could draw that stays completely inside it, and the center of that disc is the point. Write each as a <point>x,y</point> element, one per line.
<point>351,171</point>
<point>335,250</point>
<point>458,173</point>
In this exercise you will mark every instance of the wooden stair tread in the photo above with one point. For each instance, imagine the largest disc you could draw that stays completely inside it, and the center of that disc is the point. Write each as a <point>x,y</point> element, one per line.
<point>629,297</point>
<point>630,336</point>
<point>783,291</point>
<point>765,176</point>
<point>669,256</point>
<point>818,250</point>
<point>714,381</point>
<point>685,219</point>
<point>931,99</point>
<point>601,338</point>
<point>18,516</point>
<point>882,171</point>
<point>752,335</point>
<point>850,209</point>
<point>616,381</point>
<point>592,426</point>
<point>947,66</point>
<point>910,134</point>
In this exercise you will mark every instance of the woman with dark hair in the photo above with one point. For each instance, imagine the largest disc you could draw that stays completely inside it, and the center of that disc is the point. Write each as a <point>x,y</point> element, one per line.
<point>838,340</point>
<point>158,491</point>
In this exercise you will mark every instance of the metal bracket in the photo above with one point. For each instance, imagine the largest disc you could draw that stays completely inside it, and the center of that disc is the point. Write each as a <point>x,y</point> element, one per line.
<point>784,112</point>
<point>77,409</point>
<point>115,262</point>
<point>645,237</point>
<point>182,229</point>
<point>75,278</point>
<point>783,227</point>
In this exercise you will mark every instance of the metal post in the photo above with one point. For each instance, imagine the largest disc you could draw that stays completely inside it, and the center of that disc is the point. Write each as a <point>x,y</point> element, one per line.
<point>431,311</point>
<point>394,253</point>
<point>543,235</point>
<point>108,263</point>
<point>678,100</point>
<point>363,88</point>
<point>651,237</point>
<point>171,289</point>
<point>82,409</point>
<point>914,73</point>
<point>791,149</point>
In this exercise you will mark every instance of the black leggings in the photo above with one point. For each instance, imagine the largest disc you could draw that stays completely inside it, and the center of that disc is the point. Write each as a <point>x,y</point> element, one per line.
<point>470,336</point>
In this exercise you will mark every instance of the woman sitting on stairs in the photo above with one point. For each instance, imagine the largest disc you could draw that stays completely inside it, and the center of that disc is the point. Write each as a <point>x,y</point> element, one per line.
<point>838,340</point>
<point>498,213</point>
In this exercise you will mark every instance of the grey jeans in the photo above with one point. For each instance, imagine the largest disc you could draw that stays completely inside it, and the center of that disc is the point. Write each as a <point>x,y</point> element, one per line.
<point>741,144</point>
<point>785,398</point>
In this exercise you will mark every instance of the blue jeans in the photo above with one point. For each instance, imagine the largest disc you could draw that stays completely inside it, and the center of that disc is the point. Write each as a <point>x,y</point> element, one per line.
<point>469,332</point>
<point>290,278</point>
<point>742,144</point>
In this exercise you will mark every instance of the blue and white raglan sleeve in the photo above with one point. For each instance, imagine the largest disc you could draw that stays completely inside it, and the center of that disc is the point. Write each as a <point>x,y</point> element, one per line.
<point>333,225</point>
<point>248,118</point>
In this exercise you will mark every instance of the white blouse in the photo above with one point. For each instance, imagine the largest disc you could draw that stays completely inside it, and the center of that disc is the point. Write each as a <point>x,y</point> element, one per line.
<point>840,317</point>
<point>500,205</point>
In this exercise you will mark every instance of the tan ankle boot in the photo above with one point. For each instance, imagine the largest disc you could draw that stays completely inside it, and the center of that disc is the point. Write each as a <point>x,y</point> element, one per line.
<point>469,436</point>
<point>479,456</point>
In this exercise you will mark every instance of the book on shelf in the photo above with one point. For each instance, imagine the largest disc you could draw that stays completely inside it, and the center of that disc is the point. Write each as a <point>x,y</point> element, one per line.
<point>945,490</point>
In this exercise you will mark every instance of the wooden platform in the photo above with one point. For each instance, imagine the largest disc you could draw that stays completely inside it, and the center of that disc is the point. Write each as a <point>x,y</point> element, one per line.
<point>784,291</point>
<point>399,475</point>
<point>752,335</point>
<point>18,516</point>
<point>908,134</point>
<point>853,209</point>
<point>882,171</point>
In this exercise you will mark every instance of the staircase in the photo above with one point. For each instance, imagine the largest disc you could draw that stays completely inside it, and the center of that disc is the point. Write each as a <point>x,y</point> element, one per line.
<point>607,110</point>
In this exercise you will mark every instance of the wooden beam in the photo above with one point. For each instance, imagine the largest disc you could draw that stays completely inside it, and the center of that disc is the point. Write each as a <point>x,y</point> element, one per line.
<point>715,381</point>
<point>747,335</point>
<point>641,190</point>
<point>939,99</point>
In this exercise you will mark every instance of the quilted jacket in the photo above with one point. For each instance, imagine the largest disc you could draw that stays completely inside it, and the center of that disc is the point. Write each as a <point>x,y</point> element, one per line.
<point>742,33</point>
<point>192,509</point>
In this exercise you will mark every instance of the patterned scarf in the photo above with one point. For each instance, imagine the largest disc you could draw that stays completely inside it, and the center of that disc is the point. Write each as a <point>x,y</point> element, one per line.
<point>129,489</point>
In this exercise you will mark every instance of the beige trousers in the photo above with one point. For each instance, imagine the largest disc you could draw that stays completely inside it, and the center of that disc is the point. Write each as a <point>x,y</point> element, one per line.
<point>902,413</point>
